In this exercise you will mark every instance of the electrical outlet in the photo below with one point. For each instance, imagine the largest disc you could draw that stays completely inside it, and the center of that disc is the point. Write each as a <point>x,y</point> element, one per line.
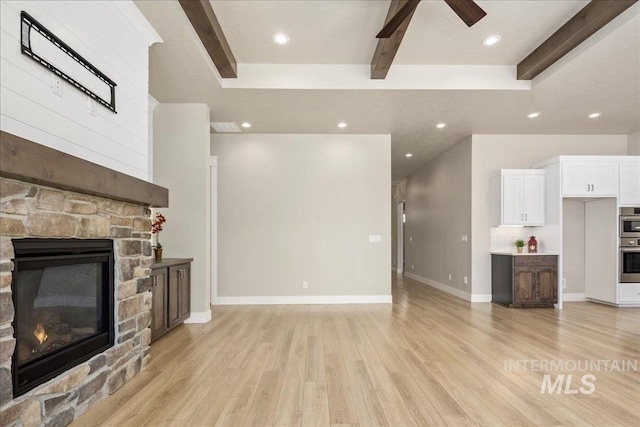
<point>93,106</point>
<point>411,266</point>
<point>410,239</point>
<point>564,283</point>
<point>465,280</point>
<point>464,238</point>
<point>56,84</point>
<point>305,284</point>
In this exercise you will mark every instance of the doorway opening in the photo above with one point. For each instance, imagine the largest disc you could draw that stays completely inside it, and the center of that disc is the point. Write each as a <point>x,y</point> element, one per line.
<point>402,218</point>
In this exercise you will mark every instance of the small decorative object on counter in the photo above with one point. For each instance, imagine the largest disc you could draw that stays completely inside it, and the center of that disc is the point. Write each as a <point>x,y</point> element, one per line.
<point>533,245</point>
<point>519,245</point>
<point>156,228</point>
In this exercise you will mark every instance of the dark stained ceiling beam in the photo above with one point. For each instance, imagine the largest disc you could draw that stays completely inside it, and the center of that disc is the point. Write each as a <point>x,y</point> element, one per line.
<point>467,10</point>
<point>204,21</point>
<point>392,24</point>
<point>590,19</point>
<point>388,47</point>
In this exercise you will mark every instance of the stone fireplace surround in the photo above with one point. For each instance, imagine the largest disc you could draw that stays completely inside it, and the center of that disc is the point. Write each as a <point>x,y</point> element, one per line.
<point>66,208</point>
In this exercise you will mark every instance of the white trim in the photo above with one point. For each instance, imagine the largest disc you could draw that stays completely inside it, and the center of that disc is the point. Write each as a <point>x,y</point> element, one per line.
<point>213,165</point>
<point>574,297</point>
<point>138,22</point>
<point>199,317</point>
<point>357,76</point>
<point>319,299</point>
<point>450,289</point>
<point>627,304</point>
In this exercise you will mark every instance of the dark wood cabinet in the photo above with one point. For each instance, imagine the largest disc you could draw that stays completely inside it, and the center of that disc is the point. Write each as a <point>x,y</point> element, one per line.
<point>524,280</point>
<point>171,290</point>
<point>159,290</point>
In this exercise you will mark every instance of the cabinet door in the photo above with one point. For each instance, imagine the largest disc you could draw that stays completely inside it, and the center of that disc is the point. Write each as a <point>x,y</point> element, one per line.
<point>524,285</point>
<point>592,179</point>
<point>184,293</point>
<point>512,200</point>
<point>603,177</point>
<point>159,303</point>
<point>630,183</point>
<point>533,199</point>
<point>574,178</point>
<point>546,285</point>
<point>173,312</point>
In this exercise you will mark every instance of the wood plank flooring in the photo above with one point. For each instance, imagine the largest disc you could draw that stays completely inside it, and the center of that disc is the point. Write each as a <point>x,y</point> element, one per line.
<point>427,359</point>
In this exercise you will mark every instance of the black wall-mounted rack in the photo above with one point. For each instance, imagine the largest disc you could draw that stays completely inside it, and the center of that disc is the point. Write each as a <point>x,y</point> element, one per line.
<point>27,22</point>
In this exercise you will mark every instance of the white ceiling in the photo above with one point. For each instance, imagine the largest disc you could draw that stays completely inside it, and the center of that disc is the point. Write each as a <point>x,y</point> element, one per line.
<point>603,74</point>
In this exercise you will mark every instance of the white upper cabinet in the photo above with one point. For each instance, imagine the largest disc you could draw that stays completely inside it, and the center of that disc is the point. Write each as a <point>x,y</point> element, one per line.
<point>589,178</point>
<point>630,183</point>
<point>517,197</point>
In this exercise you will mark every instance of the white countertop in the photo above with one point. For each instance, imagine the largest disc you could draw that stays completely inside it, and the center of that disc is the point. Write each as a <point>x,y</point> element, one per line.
<point>524,253</point>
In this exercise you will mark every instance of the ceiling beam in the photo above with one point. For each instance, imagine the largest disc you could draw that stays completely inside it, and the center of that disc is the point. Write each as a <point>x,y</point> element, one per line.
<point>590,19</point>
<point>467,10</point>
<point>204,21</point>
<point>388,47</point>
<point>392,24</point>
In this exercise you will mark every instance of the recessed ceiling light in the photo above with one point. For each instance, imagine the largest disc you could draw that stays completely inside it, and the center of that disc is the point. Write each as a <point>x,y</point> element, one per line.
<point>441,125</point>
<point>408,155</point>
<point>594,115</point>
<point>246,125</point>
<point>342,125</point>
<point>533,115</point>
<point>281,38</point>
<point>491,40</point>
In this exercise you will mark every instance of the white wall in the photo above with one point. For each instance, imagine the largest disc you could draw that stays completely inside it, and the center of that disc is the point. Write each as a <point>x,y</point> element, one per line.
<point>633,144</point>
<point>438,210</point>
<point>115,38</point>
<point>294,208</point>
<point>181,164</point>
<point>493,152</point>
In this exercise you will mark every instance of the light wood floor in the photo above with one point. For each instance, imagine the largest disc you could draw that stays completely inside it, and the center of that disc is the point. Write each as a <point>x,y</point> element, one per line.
<point>427,359</point>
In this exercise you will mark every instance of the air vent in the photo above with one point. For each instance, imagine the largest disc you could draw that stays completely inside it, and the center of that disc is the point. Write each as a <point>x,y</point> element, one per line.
<point>225,127</point>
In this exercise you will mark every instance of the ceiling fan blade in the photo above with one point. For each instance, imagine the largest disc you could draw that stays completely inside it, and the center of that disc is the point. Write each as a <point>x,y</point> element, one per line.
<point>393,24</point>
<point>467,10</point>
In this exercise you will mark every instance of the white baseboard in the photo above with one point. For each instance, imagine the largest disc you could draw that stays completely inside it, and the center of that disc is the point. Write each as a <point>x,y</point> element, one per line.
<point>450,289</point>
<point>574,297</point>
<point>319,299</point>
<point>199,317</point>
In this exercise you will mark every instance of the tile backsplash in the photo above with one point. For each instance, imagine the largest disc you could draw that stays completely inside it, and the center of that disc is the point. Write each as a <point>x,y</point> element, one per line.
<point>504,238</point>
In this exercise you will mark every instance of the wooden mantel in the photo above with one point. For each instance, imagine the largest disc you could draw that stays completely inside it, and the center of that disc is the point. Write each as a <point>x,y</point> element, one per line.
<point>28,161</point>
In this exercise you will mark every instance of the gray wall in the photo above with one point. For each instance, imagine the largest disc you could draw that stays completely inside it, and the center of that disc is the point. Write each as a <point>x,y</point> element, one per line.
<point>294,208</point>
<point>633,144</point>
<point>438,208</point>
<point>181,164</point>
<point>494,152</point>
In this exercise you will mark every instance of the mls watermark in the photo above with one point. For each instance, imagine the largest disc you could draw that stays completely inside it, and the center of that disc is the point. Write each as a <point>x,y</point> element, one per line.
<point>584,379</point>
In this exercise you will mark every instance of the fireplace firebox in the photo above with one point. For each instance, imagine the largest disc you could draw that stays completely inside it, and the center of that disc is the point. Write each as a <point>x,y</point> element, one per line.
<point>63,295</point>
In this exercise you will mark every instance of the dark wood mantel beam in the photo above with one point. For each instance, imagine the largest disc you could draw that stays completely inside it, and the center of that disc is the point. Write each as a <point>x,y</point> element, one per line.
<point>28,161</point>
<point>204,21</point>
<point>590,19</point>
<point>388,47</point>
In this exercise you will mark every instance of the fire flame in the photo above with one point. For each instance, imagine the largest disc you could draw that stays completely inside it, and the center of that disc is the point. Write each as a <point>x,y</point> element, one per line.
<point>40,333</point>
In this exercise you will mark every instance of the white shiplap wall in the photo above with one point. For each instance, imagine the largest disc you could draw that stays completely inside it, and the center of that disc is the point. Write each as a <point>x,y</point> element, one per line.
<point>115,38</point>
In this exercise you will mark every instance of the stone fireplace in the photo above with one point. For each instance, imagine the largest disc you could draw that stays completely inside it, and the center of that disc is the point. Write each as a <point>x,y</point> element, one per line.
<point>43,208</point>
